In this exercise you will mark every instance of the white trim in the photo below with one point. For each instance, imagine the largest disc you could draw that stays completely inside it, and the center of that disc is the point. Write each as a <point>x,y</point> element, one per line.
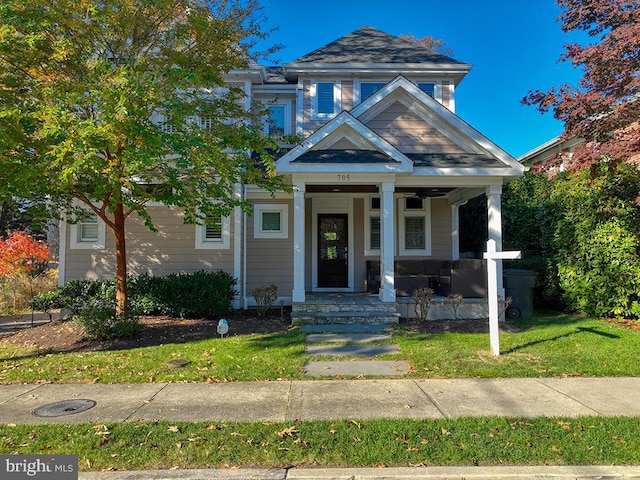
<point>280,208</point>
<point>337,99</point>
<point>224,243</point>
<point>345,123</point>
<point>300,108</point>
<point>387,291</point>
<point>299,242</point>
<point>62,251</point>
<point>76,243</point>
<point>425,214</point>
<point>340,205</point>
<point>237,243</point>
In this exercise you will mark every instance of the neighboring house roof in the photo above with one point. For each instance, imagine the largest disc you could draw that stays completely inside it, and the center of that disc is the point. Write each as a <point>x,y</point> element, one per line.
<point>369,49</point>
<point>548,150</point>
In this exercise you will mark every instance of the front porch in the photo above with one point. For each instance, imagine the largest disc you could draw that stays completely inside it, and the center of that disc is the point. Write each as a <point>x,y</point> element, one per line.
<point>351,308</point>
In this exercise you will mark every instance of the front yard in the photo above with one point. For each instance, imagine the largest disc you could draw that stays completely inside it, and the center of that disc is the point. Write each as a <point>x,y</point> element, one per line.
<point>549,345</point>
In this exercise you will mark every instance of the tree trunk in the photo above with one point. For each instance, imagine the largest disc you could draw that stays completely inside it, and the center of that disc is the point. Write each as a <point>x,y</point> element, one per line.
<point>121,261</point>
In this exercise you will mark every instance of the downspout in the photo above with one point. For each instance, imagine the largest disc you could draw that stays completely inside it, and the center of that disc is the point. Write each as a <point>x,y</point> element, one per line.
<point>244,251</point>
<point>62,250</point>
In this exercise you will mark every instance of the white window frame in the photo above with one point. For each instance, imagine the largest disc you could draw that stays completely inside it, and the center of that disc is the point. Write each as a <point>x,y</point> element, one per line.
<point>337,100</point>
<point>425,214</point>
<point>287,115</point>
<point>369,214</point>
<point>76,243</point>
<point>282,209</point>
<point>223,243</point>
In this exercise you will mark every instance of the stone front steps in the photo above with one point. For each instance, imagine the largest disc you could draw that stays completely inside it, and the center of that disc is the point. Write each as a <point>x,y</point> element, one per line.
<point>344,309</point>
<point>355,345</point>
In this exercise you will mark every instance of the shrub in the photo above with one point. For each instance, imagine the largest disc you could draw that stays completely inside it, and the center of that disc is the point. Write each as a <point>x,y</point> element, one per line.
<point>199,294</point>
<point>264,298</point>
<point>99,321</point>
<point>422,297</point>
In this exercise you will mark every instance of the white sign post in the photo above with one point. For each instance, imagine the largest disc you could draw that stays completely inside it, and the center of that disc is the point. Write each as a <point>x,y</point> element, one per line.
<point>492,290</point>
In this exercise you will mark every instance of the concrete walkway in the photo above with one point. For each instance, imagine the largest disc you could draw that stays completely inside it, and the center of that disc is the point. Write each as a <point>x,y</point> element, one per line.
<point>327,399</point>
<point>338,399</point>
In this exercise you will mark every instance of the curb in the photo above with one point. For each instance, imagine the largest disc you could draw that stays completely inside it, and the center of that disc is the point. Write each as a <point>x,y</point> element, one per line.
<point>403,473</point>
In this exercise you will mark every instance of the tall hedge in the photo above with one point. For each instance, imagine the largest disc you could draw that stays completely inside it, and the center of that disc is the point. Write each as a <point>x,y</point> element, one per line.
<point>580,231</point>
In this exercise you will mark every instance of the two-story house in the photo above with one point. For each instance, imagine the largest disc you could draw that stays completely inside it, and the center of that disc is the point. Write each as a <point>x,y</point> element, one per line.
<point>383,165</point>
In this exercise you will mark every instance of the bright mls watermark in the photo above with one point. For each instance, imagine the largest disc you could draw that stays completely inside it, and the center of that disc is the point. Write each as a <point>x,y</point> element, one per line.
<point>49,467</point>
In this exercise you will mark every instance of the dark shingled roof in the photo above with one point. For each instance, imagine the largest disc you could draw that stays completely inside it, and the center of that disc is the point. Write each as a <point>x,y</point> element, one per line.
<point>275,75</point>
<point>454,160</point>
<point>368,45</point>
<point>434,160</point>
<point>343,156</point>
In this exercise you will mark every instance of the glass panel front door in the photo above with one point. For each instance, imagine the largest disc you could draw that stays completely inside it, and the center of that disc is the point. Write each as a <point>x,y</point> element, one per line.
<point>333,254</point>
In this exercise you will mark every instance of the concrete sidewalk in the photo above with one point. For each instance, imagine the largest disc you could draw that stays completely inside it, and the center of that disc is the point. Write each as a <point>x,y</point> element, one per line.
<point>328,399</point>
<point>338,399</point>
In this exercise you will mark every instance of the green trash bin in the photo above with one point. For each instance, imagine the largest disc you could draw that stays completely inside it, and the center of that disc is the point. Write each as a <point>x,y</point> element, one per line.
<point>519,285</point>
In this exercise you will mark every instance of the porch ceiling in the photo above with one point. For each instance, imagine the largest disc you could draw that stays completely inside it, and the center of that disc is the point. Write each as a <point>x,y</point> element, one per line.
<point>422,192</point>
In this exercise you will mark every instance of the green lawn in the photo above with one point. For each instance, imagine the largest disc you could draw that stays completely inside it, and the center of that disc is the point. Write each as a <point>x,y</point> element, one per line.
<point>549,345</point>
<point>466,441</point>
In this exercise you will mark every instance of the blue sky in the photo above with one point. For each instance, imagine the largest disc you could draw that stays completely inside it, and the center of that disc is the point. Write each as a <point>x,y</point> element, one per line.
<point>513,46</point>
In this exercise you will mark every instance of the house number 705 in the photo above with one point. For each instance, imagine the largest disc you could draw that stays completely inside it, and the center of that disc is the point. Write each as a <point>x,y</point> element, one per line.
<point>344,178</point>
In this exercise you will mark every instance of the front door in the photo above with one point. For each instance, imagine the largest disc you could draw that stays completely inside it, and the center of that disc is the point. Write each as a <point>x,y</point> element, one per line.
<point>333,254</point>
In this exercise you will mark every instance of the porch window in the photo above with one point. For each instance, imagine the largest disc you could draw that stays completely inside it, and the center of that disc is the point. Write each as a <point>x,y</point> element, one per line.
<point>271,221</point>
<point>372,227</point>
<point>325,100</point>
<point>415,226</point>
<point>214,234</point>
<point>374,233</point>
<point>90,233</point>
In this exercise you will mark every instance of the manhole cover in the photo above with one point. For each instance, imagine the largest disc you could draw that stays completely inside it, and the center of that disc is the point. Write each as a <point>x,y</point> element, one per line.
<point>65,407</point>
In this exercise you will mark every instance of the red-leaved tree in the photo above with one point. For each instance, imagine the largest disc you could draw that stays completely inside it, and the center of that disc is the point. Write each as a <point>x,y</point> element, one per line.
<point>604,108</point>
<point>20,254</point>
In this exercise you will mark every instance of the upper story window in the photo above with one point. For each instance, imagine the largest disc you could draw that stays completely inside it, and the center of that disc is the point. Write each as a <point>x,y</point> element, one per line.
<point>325,100</point>
<point>369,88</point>
<point>428,87</point>
<point>278,121</point>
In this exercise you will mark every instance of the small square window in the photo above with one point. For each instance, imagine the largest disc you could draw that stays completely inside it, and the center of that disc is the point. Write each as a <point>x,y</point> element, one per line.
<point>375,203</point>
<point>271,221</point>
<point>90,233</point>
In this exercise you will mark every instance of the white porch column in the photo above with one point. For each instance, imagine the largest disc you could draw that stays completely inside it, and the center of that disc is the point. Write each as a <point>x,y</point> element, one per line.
<point>387,247</point>
<point>298,294</point>
<point>494,214</point>
<point>455,231</point>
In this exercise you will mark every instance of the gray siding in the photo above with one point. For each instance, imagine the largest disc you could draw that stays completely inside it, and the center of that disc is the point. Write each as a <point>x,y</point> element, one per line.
<point>270,261</point>
<point>409,133</point>
<point>169,250</point>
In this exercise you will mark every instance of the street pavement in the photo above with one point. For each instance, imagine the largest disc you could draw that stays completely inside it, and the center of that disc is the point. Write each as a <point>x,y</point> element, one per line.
<point>338,399</point>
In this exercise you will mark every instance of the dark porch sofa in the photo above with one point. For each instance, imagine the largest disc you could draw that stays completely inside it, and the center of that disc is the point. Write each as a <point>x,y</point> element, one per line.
<point>467,277</point>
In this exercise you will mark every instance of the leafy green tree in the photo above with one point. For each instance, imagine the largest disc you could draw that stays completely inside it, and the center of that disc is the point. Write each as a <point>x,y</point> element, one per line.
<point>107,105</point>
